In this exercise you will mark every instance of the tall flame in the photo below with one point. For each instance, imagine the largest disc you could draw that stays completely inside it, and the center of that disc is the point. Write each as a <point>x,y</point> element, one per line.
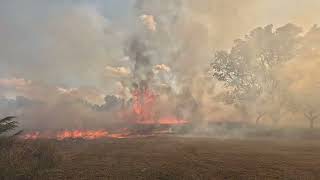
<point>143,102</point>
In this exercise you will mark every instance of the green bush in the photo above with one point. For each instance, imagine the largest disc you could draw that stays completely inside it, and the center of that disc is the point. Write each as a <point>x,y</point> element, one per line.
<point>8,124</point>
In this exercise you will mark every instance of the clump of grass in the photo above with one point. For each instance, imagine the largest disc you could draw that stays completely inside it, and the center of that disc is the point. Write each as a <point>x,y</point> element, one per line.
<point>26,159</point>
<point>21,159</point>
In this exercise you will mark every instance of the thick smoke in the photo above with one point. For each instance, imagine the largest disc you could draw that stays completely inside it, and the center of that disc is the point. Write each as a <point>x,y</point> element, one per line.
<point>73,66</point>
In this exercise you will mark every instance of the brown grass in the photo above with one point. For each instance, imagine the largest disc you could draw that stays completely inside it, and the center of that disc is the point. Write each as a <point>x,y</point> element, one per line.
<point>186,158</point>
<point>26,159</point>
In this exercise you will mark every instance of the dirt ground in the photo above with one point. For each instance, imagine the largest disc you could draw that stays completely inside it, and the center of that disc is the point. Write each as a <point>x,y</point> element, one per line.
<point>187,158</point>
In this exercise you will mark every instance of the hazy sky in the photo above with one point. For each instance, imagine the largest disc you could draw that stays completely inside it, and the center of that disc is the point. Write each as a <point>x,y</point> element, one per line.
<point>56,42</point>
<point>67,41</point>
<point>49,48</point>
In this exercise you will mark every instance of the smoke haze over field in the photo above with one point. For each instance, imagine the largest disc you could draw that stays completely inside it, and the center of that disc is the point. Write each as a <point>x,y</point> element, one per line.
<point>75,64</point>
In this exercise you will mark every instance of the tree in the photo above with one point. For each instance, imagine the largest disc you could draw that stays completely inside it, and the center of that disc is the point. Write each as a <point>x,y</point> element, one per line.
<point>302,77</point>
<point>306,103</point>
<point>311,46</point>
<point>248,69</point>
<point>311,115</point>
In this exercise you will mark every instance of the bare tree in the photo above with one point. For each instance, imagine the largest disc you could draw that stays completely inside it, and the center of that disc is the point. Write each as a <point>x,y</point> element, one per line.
<point>311,115</point>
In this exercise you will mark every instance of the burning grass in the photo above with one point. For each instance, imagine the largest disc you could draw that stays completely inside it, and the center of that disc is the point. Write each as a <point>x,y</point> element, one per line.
<point>139,130</point>
<point>68,134</point>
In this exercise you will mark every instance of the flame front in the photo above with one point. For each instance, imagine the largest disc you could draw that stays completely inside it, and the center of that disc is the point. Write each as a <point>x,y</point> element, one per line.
<point>172,121</point>
<point>32,135</point>
<point>82,134</point>
<point>73,134</point>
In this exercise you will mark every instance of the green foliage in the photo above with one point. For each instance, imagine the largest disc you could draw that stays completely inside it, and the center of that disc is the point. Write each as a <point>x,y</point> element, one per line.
<point>7,124</point>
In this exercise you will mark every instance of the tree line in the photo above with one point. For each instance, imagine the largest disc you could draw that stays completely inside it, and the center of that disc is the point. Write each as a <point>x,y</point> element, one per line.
<point>271,72</point>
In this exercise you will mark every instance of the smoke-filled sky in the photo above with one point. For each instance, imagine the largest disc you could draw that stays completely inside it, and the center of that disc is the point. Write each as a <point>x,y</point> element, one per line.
<point>54,50</point>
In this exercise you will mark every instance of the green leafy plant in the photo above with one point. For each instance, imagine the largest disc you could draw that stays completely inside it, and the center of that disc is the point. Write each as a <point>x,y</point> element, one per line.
<point>8,124</point>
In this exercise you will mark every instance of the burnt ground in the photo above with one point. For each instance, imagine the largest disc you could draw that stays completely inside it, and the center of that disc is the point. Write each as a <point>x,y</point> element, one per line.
<point>187,158</point>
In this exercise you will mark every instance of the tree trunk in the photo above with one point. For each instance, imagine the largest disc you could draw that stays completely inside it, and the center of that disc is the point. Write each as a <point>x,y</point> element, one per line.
<point>312,117</point>
<point>311,123</point>
<point>244,113</point>
<point>259,118</point>
<point>275,121</point>
<point>275,118</point>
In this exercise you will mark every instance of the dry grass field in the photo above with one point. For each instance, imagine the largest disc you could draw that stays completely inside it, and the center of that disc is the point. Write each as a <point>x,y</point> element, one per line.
<point>166,158</point>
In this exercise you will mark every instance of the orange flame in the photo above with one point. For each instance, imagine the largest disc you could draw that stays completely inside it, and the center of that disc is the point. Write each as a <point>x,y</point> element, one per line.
<point>82,134</point>
<point>171,121</point>
<point>143,102</point>
<point>73,134</point>
<point>31,136</point>
<point>142,110</point>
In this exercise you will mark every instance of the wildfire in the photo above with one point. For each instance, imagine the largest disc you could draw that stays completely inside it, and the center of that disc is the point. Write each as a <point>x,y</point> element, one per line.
<point>143,102</point>
<point>73,134</point>
<point>86,135</point>
<point>172,121</point>
<point>143,109</point>
<point>82,134</point>
<point>142,113</point>
<point>31,136</point>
